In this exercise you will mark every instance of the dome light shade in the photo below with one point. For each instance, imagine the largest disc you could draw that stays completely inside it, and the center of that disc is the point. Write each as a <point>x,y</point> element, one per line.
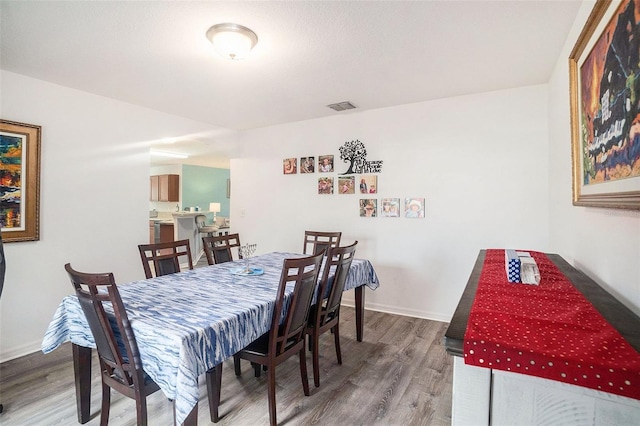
<point>232,41</point>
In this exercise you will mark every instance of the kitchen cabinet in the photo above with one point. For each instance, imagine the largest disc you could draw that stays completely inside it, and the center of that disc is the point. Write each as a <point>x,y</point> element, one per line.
<point>166,232</point>
<point>164,188</point>
<point>161,231</point>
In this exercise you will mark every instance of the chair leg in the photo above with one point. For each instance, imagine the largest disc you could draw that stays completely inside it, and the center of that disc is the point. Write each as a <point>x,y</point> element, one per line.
<point>106,404</point>
<point>257,369</point>
<point>214,385</point>
<point>336,337</point>
<point>141,410</point>
<point>236,364</point>
<point>316,357</point>
<point>303,371</point>
<point>272,395</point>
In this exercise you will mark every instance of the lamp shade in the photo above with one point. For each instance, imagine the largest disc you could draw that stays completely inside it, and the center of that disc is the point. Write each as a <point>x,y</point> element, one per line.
<point>214,207</point>
<point>232,41</point>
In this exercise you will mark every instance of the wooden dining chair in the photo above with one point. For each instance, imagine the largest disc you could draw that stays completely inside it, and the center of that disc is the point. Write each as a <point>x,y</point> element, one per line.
<point>165,257</point>
<point>325,314</point>
<point>218,249</point>
<point>286,336</point>
<point>120,365</point>
<point>316,241</point>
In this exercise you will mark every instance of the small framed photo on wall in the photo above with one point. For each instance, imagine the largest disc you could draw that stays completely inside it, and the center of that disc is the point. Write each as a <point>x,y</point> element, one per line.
<point>307,164</point>
<point>290,166</point>
<point>390,207</point>
<point>368,184</point>
<point>346,184</point>
<point>325,185</point>
<point>325,163</point>
<point>368,207</point>
<point>414,207</point>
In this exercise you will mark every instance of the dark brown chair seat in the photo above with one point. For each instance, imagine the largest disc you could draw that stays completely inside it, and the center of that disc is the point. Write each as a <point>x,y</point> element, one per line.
<point>218,249</point>
<point>165,257</point>
<point>316,241</point>
<point>286,336</point>
<point>325,314</point>
<point>120,365</point>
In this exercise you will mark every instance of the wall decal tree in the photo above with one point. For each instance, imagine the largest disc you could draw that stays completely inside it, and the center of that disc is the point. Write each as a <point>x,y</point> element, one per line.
<point>355,153</point>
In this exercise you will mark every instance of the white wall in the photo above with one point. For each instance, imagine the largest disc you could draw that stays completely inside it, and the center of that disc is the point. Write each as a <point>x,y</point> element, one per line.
<point>604,243</point>
<point>94,198</point>
<point>480,161</point>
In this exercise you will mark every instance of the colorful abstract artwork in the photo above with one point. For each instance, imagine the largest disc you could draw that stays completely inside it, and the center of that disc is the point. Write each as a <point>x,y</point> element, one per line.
<point>605,90</point>
<point>19,181</point>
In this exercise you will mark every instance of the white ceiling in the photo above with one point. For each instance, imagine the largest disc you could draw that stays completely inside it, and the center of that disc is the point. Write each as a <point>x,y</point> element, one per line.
<point>309,54</point>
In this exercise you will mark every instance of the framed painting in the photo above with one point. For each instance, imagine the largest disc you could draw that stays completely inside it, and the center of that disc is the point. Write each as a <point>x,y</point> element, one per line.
<point>19,181</point>
<point>604,77</point>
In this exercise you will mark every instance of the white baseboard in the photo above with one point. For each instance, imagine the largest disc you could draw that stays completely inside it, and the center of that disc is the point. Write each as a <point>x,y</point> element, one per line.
<point>21,350</point>
<point>399,311</point>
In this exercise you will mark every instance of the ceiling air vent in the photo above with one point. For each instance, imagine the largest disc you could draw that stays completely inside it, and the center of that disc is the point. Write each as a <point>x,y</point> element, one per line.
<point>342,106</point>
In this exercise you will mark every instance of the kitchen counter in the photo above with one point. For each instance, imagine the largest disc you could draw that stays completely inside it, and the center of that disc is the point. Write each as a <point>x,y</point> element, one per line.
<point>184,228</point>
<point>163,221</point>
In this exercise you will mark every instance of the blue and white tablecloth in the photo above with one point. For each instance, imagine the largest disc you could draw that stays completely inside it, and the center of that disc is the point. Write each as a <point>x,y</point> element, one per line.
<point>187,323</point>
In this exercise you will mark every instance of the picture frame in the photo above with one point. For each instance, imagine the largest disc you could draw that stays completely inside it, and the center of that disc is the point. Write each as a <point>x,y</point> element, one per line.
<point>307,164</point>
<point>390,207</point>
<point>325,185</point>
<point>325,163</point>
<point>368,184</point>
<point>290,166</point>
<point>605,109</point>
<point>414,208</point>
<point>368,207</point>
<point>19,181</point>
<point>346,184</point>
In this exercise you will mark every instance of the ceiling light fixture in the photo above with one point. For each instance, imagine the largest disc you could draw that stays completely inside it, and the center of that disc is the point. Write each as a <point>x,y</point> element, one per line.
<point>232,41</point>
<point>168,154</point>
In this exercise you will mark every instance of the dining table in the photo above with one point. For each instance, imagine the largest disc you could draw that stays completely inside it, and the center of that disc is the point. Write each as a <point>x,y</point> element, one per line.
<point>189,322</point>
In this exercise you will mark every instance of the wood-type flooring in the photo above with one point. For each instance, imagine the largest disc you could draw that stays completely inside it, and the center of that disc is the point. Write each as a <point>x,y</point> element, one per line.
<point>399,375</point>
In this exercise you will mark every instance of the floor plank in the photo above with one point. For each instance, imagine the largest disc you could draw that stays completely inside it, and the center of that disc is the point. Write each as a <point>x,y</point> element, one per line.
<point>399,375</point>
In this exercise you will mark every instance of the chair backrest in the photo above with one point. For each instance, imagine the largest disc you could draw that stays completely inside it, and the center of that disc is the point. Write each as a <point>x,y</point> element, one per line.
<point>319,241</point>
<point>200,220</point>
<point>165,257</point>
<point>302,273</point>
<point>218,249</point>
<point>331,286</point>
<point>93,290</point>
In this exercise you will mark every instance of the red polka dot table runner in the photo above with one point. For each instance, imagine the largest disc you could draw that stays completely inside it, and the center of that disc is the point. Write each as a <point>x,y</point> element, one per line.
<point>548,330</point>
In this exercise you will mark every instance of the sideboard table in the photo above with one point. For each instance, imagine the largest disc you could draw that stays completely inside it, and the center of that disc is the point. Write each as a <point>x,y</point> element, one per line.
<point>485,396</point>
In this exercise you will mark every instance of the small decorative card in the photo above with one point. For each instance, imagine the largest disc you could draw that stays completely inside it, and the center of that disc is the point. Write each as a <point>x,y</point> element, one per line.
<point>512,265</point>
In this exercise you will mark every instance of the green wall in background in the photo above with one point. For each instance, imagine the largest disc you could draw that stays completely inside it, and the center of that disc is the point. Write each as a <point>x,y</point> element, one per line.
<point>204,185</point>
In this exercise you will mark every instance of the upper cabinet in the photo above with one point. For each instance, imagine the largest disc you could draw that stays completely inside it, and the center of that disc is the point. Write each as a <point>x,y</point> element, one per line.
<point>165,188</point>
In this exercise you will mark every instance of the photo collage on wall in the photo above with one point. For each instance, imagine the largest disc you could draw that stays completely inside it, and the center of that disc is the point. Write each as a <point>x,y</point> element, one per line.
<point>355,181</point>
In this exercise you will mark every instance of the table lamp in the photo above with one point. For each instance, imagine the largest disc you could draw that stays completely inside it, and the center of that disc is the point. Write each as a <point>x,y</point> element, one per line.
<point>215,208</point>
